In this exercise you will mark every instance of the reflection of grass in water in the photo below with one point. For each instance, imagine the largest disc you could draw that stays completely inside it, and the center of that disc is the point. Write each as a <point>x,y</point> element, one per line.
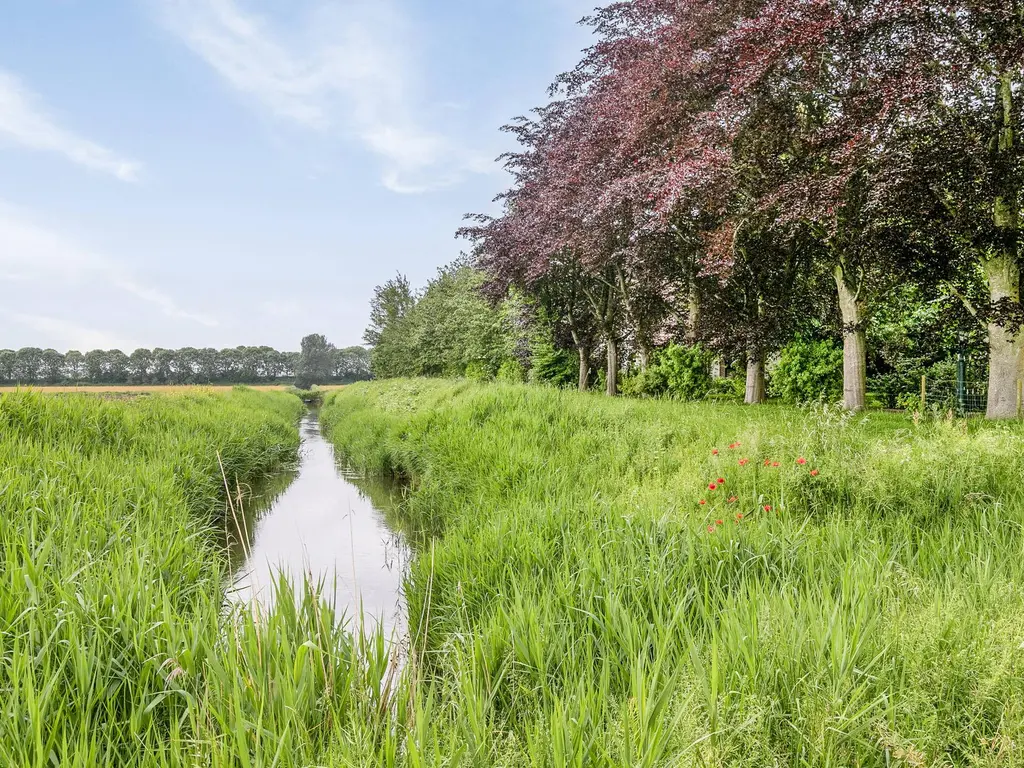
<point>251,503</point>
<point>387,495</point>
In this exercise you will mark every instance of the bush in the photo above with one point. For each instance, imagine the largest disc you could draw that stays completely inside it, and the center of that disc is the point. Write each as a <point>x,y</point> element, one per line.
<point>478,371</point>
<point>808,370</point>
<point>559,367</point>
<point>511,370</point>
<point>678,372</point>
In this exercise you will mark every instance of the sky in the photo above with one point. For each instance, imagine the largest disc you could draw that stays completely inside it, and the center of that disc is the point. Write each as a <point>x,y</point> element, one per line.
<point>216,173</point>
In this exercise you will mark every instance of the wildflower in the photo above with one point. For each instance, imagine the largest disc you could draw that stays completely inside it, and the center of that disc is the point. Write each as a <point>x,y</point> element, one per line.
<point>801,461</point>
<point>767,462</point>
<point>775,463</point>
<point>718,522</point>
<point>721,481</point>
<point>714,452</point>
<point>712,486</point>
<point>814,473</point>
<point>733,499</point>
<point>703,501</point>
<point>739,516</point>
<point>744,462</point>
<point>711,529</point>
<point>767,507</point>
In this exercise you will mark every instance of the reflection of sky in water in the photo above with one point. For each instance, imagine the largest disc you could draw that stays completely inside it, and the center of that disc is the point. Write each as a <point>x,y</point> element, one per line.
<point>323,527</point>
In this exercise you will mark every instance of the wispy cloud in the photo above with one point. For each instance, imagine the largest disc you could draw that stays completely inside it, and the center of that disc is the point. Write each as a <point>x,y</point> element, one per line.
<point>64,335</point>
<point>348,69</point>
<point>31,252</point>
<point>24,121</point>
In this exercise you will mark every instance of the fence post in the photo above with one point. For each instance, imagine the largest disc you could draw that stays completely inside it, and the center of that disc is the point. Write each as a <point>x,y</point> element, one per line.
<point>924,392</point>
<point>961,382</point>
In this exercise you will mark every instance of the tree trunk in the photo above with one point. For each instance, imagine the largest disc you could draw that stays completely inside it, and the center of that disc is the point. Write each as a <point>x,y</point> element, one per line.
<point>643,356</point>
<point>612,373</point>
<point>584,368</point>
<point>755,380</point>
<point>1002,272</point>
<point>855,348</point>
<point>1005,344</point>
<point>692,317</point>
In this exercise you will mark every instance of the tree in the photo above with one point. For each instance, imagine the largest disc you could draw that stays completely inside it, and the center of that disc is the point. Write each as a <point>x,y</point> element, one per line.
<point>391,302</point>
<point>74,366</point>
<point>8,365</point>
<point>52,366</point>
<point>28,364</point>
<point>316,361</point>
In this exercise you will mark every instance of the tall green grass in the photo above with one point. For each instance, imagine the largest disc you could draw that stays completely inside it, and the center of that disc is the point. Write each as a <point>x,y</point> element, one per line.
<point>115,644</point>
<point>574,604</point>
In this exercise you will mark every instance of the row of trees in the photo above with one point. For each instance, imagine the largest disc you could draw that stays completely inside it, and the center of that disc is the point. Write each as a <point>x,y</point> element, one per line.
<point>447,329</point>
<point>737,172</point>
<point>238,365</point>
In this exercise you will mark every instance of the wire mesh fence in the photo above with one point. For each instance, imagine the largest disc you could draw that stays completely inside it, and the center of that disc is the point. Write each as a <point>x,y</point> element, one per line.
<point>960,396</point>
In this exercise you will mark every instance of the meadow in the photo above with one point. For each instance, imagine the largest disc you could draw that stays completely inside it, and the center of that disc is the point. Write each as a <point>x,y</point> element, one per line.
<point>115,644</point>
<point>147,389</point>
<point>846,594</point>
<point>607,582</point>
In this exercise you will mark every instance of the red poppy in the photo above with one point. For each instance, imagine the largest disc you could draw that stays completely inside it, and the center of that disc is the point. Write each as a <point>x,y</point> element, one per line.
<point>714,452</point>
<point>814,473</point>
<point>711,529</point>
<point>718,522</point>
<point>767,462</point>
<point>744,462</point>
<point>721,481</point>
<point>712,486</point>
<point>732,499</point>
<point>775,463</point>
<point>739,515</point>
<point>767,507</point>
<point>702,501</point>
<point>801,461</point>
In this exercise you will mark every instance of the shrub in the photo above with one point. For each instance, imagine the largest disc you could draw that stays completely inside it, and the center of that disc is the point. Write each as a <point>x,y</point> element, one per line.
<point>559,367</point>
<point>678,372</point>
<point>808,370</point>
<point>511,370</point>
<point>478,371</point>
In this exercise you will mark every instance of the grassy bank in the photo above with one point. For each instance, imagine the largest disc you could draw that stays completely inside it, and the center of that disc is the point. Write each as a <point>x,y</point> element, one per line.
<point>851,594</point>
<point>114,645</point>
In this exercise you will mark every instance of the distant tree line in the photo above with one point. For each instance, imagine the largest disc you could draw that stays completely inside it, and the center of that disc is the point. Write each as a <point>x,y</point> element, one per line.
<point>188,365</point>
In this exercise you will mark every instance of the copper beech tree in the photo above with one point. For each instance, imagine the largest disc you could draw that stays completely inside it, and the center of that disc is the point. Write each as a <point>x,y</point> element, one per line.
<point>710,164</point>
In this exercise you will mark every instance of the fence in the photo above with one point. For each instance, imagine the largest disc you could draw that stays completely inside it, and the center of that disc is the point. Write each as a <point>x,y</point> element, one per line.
<point>960,394</point>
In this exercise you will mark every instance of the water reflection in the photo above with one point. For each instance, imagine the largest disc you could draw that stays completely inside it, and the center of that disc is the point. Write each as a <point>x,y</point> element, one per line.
<point>324,523</point>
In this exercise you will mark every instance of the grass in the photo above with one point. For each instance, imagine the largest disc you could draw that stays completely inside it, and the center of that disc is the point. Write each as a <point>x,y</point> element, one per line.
<point>150,389</point>
<point>574,604</point>
<point>115,648</point>
<point>569,605</point>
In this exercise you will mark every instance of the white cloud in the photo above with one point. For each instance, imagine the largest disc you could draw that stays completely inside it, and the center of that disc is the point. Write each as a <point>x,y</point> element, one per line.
<point>23,121</point>
<point>31,252</point>
<point>348,70</point>
<point>64,335</point>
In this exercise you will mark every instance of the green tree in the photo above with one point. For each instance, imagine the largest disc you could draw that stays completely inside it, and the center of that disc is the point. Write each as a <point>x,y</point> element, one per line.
<point>316,361</point>
<point>390,303</point>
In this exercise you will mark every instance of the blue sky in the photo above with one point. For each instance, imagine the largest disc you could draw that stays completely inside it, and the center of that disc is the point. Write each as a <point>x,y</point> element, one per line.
<point>224,172</point>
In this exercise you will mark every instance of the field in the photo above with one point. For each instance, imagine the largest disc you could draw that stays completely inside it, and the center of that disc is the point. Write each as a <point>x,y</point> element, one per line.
<point>605,583</point>
<point>847,594</point>
<point>151,389</point>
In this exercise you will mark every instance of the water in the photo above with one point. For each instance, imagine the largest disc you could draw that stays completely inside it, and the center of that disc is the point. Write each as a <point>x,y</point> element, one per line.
<point>328,524</point>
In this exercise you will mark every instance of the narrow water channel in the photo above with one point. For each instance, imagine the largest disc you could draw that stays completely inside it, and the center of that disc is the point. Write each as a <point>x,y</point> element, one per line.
<point>325,523</point>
